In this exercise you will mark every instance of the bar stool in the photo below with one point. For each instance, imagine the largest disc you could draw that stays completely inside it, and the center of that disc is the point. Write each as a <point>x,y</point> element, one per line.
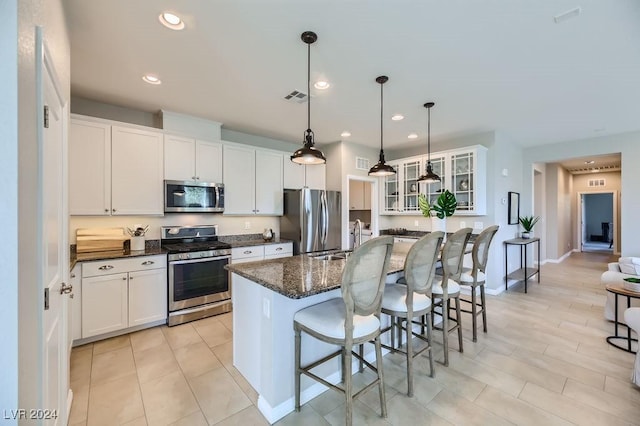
<point>404,302</point>
<point>446,288</point>
<point>475,277</point>
<point>353,319</point>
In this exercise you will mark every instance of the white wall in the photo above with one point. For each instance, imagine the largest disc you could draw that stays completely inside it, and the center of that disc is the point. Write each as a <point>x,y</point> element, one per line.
<point>49,14</point>
<point>8,212</point>
<point>628,144</point>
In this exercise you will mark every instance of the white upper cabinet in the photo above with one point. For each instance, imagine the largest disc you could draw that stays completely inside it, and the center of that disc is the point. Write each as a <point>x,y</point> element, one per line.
<point>297,176</point>
<point>463,172</point>
<point>253,181</point>
<point>89,168</point>
<point>192,159</point>
<point>136,173</point>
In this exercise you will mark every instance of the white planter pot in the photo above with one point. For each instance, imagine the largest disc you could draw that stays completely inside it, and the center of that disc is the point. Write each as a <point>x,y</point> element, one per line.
<point>439,225</point>
<point>526,235</point>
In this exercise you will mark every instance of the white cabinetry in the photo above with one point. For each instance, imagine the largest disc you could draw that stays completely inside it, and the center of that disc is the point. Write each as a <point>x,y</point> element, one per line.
<point>463,172</point>
<point>122,293</point>
<point>297,176</point>
<point>89,168</point>
<point>114,170</point>
<point>136,172</point>
<point>255,253</point>
<point>253,181</point>
<point>192,159</point>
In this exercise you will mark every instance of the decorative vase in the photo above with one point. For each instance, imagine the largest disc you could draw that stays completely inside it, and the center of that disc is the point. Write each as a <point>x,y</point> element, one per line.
<point>526,235</point>
<point>438,224</point>
<point>267,235</point>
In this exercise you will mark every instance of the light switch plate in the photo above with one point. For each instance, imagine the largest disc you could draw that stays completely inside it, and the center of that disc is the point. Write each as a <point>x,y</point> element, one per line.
<point>463,225</point>
<point>478,225</point>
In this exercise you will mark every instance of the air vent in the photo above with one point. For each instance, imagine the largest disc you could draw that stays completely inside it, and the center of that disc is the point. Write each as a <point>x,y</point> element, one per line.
<point>597,183</point>
<point>362,163</point>
<point>296,96</point>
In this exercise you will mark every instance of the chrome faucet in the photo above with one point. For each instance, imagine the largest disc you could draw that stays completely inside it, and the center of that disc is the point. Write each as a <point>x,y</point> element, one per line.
<point>357,227</point>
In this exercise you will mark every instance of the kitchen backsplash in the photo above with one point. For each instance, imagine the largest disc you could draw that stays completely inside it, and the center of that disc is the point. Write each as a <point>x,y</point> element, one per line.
<point>227,225</point>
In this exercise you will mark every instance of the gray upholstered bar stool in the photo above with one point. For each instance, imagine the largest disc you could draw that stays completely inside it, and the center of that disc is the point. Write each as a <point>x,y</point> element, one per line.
<point>404,302</point>
<point>349,321</point>
<point>475,277</point>
<point>446,288</point>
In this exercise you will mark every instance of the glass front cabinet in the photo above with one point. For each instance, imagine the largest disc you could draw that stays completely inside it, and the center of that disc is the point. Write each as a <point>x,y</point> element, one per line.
<point>463,172</point>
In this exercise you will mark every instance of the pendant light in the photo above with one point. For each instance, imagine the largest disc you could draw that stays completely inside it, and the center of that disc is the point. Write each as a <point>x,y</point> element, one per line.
<point>381,168</point>
<point>308,154</point>
<point>429,176</point>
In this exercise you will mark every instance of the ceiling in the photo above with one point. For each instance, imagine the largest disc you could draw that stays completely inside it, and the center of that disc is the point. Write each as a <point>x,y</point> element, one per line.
<point>593,164</point>
<point>489,65</point>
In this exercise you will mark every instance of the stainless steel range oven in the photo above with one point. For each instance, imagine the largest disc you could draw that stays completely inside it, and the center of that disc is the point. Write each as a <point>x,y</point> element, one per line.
<point>198,283</point>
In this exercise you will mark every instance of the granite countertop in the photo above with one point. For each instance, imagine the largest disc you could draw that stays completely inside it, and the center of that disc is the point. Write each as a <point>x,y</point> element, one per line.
<point>302,276</point>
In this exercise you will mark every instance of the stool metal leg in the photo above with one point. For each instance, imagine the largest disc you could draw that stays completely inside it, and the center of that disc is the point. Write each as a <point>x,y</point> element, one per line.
<point>484,308</point>
<point>348,390</point>
<point>430,338</point>
<point>474,313</point>
<point>383,399</point>
<point>297,368</point>
<point>445,330</point>
<point>458,321</point>
<point>409,358</point>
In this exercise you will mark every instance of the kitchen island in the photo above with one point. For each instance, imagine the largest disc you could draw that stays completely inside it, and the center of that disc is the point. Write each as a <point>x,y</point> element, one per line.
<point>265,297</point>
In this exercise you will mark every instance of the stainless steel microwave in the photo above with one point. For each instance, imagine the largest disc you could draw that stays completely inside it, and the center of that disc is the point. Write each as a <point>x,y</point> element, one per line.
<point>193,197</point>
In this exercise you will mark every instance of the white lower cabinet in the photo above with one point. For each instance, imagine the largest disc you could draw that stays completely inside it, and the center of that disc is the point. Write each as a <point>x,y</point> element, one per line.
<point>255,253</point>
<point>123,293</point>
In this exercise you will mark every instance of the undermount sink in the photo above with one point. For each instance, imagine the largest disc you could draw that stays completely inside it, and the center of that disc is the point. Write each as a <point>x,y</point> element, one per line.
<point>341,255</point>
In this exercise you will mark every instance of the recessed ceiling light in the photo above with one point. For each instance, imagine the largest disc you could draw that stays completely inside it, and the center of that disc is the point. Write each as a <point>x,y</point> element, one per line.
<point>590,162</point>
<point>171,21</point>
<point>322,85</point>
<point>345,134</point>
<point>397,117</point>
<point>413,136</point>
<point>151,79</point>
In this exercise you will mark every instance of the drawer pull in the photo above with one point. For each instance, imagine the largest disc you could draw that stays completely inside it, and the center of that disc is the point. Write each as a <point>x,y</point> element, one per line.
<point>105,267</point>
<point>148,262</point>
<point>247,252</point>
<point>279,249</point>
<point>124,278</point>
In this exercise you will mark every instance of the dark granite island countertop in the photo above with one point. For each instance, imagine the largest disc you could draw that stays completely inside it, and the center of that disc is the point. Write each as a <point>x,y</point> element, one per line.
<point>302,276</point>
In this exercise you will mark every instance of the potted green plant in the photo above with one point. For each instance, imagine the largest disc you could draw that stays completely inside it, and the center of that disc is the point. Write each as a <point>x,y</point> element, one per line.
<point>444,207</point>
<point>527,223</point>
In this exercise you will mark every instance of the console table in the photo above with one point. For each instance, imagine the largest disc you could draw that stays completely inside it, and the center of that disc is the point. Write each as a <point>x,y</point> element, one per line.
<point>618,290</point>
<point>524,272</point>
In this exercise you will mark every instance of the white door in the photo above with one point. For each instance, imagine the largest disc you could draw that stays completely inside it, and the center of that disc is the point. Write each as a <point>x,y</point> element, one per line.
<point>209,161</point>
<point>179,161</point>
<point>239,173</point>
<point>269,189</point>
<point>52,218</point>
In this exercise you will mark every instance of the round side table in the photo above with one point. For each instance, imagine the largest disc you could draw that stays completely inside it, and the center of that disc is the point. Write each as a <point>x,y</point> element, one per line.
<point>618,340</point>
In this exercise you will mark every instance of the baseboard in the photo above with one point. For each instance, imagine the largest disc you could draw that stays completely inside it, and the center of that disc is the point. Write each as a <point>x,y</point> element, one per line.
<point>69,402</point>
<point>561,259</point>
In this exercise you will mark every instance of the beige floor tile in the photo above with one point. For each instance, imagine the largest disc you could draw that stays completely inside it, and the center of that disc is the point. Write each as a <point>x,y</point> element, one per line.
<point>603,401</point>
<point>80,405</point>
<point>112,365</point>
<point>168,399</point>
<point>458,383</point>
<point>224,353</point>
<point>523,370</point>
<point>485,374</point>
<point>111,344</point>
<point>362,415</point>
<point>155,362</point>
<point>607,367</point>
<point>460,411</point>
<point>307,416</point>
<point>80,374</point>
<point>227,320</point>
<point>196,359</point>
<point>515,410</point>
<point>214,333</point>
<point>181,335</point>
<point>115,402</point>
<point>566,408</point>
<point>140,421</point>
<point>326,402</point>
<point>623,389</point>
<point>409,411</point>
<point>147,339</point>
<point>80,423</point>
<point>246,387</point>
<point>248,416</point>
<point>193,419</point>
<point>218,395</point>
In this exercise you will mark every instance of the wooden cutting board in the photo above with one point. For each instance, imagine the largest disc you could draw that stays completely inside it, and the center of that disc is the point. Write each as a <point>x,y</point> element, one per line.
<point>101,239</point>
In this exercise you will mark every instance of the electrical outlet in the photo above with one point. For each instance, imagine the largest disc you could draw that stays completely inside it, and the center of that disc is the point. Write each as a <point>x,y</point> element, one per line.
<point>463,224</point>
<point>247,225</point>
<point>478,225</point>
<point>415,223</point>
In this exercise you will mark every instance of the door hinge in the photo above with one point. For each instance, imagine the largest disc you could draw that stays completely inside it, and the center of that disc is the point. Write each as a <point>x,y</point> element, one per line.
<point>46,116</point>
<point>46,299</point>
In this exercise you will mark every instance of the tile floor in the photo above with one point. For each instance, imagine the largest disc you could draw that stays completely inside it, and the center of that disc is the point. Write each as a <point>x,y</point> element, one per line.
<point>545,361</point>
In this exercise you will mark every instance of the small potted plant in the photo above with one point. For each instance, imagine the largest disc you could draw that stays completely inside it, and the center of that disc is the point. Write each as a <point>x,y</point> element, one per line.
<point>527,223</point>
<point>444,207</point>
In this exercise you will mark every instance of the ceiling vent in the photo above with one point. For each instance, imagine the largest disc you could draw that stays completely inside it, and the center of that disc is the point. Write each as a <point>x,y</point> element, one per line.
<point>593,169</point>
<point>596,183</point>
<point>297,96</point>
<point>362,163</point>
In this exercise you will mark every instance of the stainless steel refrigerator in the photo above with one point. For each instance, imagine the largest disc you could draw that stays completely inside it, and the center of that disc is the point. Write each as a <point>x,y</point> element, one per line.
<point>311,220</point>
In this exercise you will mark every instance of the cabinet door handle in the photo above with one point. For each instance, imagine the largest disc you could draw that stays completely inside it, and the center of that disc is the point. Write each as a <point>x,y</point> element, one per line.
<point>113,210</point>
<point>148,262</point>
<point>193,177</point>
<point>247,252</point>
<point>279,249</point>
<point>73,275</point>
<point>106,210</point>
<point>124,278</point>
<point>105,267</point>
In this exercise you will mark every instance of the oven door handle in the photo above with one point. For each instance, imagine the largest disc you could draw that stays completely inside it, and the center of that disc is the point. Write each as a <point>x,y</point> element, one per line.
<point>200,259</point>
